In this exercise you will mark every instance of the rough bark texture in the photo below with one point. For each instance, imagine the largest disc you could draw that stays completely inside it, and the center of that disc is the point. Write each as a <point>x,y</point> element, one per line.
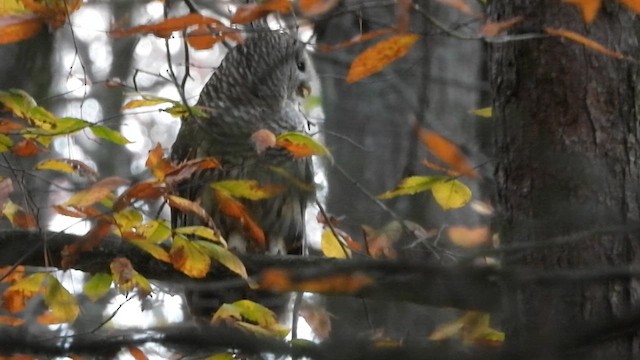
<point>567,146</point>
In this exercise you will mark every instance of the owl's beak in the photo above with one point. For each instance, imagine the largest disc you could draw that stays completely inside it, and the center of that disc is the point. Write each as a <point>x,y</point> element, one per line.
<point>304,89</point>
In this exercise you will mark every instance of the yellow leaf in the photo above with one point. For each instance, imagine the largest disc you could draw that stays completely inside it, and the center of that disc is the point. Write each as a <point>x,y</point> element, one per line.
<point>331,246</point>
<point>247,189</point>
<point>133,104</point>
<point>302,145</point>
<point>451,194</point>
<point>56,165</point>
<point>189,257</point>
<point>154,250</point>
<point>62,304</point>
<point>203,232</point>
<point>412,185</point>
<point>17,216</point>
<point>486,112</point>
<point>224,257</point>
<point>377,57</point>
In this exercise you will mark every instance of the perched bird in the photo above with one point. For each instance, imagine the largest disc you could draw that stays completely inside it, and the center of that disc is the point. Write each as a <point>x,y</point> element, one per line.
<point>258,86</point>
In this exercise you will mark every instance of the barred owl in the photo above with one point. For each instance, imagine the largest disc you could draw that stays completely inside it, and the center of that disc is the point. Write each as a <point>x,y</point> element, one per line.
<point>259,85</point>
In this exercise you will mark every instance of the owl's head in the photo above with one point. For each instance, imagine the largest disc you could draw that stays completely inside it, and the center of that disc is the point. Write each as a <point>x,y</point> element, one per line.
<point>270,65</point>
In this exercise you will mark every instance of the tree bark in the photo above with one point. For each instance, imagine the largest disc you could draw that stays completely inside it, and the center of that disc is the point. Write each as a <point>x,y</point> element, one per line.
<point>567,146</point>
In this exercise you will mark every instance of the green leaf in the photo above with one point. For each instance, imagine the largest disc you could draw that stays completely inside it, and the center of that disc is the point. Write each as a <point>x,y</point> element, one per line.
<point>412,185</point>
<point>224,257</point>
<point>5,143</point>
<point>451,194</point>
<point>98,286</point>
<point>105,133</point>
<point>247,189</point>
<point>60,301</point>
<point>18,102</point>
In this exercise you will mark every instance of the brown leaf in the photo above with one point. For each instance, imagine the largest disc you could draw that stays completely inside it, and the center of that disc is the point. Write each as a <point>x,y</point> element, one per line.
<point>189,206</point>
<point>378,56</point>
<point>97,192</point>
<point>573,36</point>
<point>403,15</point>
<point>589,8</point>
<point>235,209</point>
<point>9,127</point>
<point>492,29</point>
<point>158,164</point>
<point>250,12</point>
<point>447,151</point>
<point>146,190</point>
<point>469,237</point>
<point>380,243</point>
<point>122,270</point>
<point>186,169</point>
<point>318,318</point>
<point>88,242</point>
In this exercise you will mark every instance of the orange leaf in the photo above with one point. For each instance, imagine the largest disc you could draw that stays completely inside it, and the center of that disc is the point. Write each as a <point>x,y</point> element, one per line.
<point>202,38</point>
<point>26,148</point>
<point>356,40</point>
<point>146,190</point>
<point>380,243</point>
<point>589,8</point>
<point>10,320</point>
<point>97,192</point>
<point>447,151</point>
<point>492,29</point>
<point>17,216</point>
<point>166,27</point>
<point>586,42</point>
<point>157,163</point>
<point>250,12</point>
<point>311,8</point>
<point>279,280</point>
<point>634,5</point>
<point>9,127</point>
<point>460,5</point>
<point>9,275</point>
<point>88,242</point>
<point>377,57</point>
<point>469,237</point>
<point>18,28</point>
<point>235,209</point>
<point>16,296</point>
<point>122,270</point>
<point>136,353</point>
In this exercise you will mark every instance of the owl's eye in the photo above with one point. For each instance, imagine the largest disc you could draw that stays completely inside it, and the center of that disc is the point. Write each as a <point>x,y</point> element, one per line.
<point>301,65</point>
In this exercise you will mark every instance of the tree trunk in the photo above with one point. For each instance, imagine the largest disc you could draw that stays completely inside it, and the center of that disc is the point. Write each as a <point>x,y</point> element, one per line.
<point>567,160</point>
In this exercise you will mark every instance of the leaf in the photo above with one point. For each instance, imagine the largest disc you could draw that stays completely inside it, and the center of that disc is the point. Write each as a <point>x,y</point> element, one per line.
<point>246,189</point>
<point>9,274</point>
<point>15,297</point>
<point>68,166</point>
<point>112,136</point>
<point>88,242</point>
<point>451,194</point>
<point>493,29</point>
<point>17,28</point>
<point>166,27</point>
<point>19,102</point>
<point>26,148</point>
<point>42,118</point>
<point>573,36</point>
<point>62,304</point>
<point>447,152</point>
<point>18,217</point>
<point>473,327</point>
<point>9,127</point>
<point>233,208</point>
<point>127,279</point>
<point>98,286</point>
<point>469,237</point>
<point>189,257</point>
<point>311,8</point>
<point>302,145</point>
<point>462,6</point>
<point>589,8</point>
<point>259,319</point>
<point>377,57</point>
<point>136,353</point>
<point>412,185</point>
<point>188,206</point>
<point>152,249</point>
<point>633,5</point>
<point>186,169</point>
<point>318,319</point>
<point>96,192</point>
<point>146,190</point>
<point>250,12</point>
<point>5,143</point>
<point>360,38</point>
<point>10,321</point>
<point>202,37</point>
<point>224,257</point>
<point>134,104</point>
<point>380,243</point>
<point>486,112</point>
<point>279,280</point>
<point>331,246</point>
<point>158,164</point>
<point>203,232</point>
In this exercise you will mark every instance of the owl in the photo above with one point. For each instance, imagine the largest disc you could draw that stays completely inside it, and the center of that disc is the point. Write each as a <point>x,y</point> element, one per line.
<point>258,86</point>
